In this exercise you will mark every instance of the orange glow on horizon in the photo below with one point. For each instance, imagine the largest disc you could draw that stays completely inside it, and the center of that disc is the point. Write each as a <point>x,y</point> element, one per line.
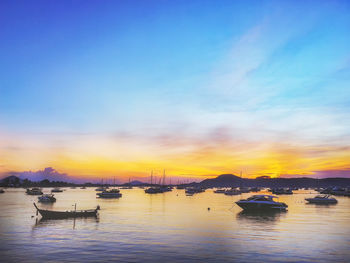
<point>124,159</point>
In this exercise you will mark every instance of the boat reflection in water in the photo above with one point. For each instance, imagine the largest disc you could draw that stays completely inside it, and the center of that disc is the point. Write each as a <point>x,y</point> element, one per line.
<point>42,222</point>
<point>260,216</point>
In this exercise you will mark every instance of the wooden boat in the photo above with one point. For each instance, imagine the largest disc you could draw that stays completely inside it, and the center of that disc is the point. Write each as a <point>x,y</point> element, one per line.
<point>49,214</point>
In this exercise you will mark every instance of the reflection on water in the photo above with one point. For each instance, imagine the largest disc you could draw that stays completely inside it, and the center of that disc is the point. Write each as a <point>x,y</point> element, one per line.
<point>172,227</point>
<point>260,216</point>
<point>41,222</point>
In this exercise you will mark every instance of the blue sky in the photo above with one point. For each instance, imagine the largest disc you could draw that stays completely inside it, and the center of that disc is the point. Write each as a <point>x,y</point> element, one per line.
<point>258,72</point>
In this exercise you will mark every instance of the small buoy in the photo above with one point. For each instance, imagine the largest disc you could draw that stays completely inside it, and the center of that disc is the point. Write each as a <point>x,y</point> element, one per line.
<point>208,208</point>
<point>32,216</point>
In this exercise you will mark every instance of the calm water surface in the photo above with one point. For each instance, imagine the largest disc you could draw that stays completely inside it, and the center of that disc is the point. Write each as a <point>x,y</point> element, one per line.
<point>172,227</point>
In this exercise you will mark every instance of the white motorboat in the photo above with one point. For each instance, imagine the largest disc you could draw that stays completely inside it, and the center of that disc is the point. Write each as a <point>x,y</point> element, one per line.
<point>261,202</point>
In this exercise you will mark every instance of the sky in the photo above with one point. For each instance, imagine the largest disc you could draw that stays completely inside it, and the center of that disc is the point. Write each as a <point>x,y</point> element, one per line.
<point>102,89</point>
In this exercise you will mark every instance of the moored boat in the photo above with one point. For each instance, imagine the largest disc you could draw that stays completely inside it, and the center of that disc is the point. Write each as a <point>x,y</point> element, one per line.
<point>154,190</point>
<point>219,191</point>
<point>232,191</point>
<point>56,190</point>
<point>49,214</point>
<point>2,191</point>
<point>48,198</point>
<point>244,189</point>
<point>261,202</point>
<point>282,191</point>
<point>34,191</point>
<point>113,193</point>
<point>322,199</point>
<point>100,189</point>
<point>194,190</point>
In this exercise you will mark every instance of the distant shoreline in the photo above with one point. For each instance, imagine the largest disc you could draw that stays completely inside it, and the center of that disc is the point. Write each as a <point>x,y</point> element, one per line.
<point>224,180</point>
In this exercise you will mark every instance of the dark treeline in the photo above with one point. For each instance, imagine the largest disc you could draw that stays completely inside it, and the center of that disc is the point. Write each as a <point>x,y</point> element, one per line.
<point>14,181</point>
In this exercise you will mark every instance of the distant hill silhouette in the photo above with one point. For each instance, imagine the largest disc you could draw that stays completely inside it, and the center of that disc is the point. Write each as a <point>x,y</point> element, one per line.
<point>134,183</point>
<point>231,180</point>
<point>11,181</point>
<point>222,181</point>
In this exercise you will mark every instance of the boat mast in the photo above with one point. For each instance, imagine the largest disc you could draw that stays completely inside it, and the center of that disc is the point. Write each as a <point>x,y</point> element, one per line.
<point>151,177</point>
<point>241,182</point>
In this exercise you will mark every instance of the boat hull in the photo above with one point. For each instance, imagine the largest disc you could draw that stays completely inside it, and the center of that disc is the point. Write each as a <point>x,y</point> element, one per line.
<point>48,214</point>
<point>261,206</point>
<point>102,195</point>
<point>321,202</point>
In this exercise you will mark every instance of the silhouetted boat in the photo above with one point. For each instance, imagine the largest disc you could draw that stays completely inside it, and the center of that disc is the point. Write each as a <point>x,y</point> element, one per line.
<point>113,193</point>
<point>232,191</point>
<point>340,191</point>
<point>56,190</point>
<point>282,191</point>
<point>34,191</point>
<point>49,214</point>
<point>47,198</point>
<point>244,189</point>
<point>219,191</point>
<point>261,202</point>
<point>322,199</point>
<point>154,190</point>
<point>194,190</point>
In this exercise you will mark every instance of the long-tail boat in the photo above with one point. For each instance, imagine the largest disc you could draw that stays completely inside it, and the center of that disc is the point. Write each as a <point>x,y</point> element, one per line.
<point>49,214</point>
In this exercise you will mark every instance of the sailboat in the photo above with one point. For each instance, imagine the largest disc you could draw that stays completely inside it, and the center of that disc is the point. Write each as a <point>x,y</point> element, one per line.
<point>153,189</point>
<point>101,188</point>
<point>164,187</point>
<point>113,193</point>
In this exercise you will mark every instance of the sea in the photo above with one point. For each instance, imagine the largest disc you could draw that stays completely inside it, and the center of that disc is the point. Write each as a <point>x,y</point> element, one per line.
<point>172,227</point>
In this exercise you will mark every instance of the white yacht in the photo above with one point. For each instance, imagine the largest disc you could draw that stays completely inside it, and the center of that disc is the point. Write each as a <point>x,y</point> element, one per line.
<point>261,202</point>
